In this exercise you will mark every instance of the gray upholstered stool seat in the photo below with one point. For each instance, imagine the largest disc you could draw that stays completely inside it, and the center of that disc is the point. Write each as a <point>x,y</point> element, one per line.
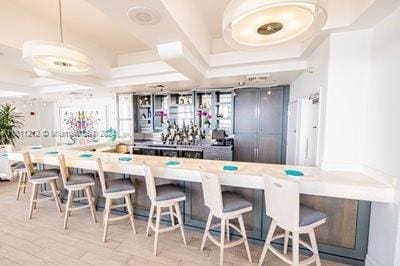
<point>45,174</point>
<point>18,166</point>
<point>119,185</point>
<point>309,215</point>
<point>233,202</point>
<point>168,192</point>
<point>80,179</point>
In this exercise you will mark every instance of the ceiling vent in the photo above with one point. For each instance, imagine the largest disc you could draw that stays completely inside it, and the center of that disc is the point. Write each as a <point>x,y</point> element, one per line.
<point>144,15</point>
<point>259,78</point>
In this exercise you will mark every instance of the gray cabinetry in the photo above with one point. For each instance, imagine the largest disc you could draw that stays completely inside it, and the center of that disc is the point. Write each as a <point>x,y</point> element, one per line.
<point>223,153</point>
<point>260,124</point>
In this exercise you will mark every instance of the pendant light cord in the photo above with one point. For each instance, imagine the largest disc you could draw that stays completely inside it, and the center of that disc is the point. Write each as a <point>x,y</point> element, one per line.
<point>60,22</point>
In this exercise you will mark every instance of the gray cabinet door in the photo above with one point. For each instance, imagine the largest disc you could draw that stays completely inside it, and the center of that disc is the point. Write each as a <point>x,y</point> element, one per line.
<point>271,111</point>
<point>246,104</point>
<point>269,148</point>
<point>245,147</point>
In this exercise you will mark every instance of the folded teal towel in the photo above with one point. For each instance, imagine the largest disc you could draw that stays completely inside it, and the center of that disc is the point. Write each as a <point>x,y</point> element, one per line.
<point>69,143</point>
<point>86,155</point>
<point>4,155</point>
<point>125,159</point>
<point>230,168</point>
<point>173,163</point>
<point>36,147</point>
<point>52,152</point>
<point>294,172</point>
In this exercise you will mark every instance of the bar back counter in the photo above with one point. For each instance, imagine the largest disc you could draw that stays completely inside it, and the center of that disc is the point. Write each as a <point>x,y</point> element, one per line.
<point>344,196</point>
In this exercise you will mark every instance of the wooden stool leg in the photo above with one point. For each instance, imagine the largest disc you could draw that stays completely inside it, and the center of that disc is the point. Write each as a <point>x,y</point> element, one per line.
<point>208,225</point>
<point>105,218</point>
<point>244,235</point>
<point>171,213</point>
<point>180,221</point>
<point>130,211</point>
<point>271,232</point>
<point>91,203</point>
<point>20,177</point>
<point>295,248</point>
<point>55,194</point>
<point>222,243</point>
<point>158,217</point>
<point>25,180</point>
<point>67,211</point>
<point>37,196</point>
<point>314,245</point>
<point>228,237</point>
<point>32,201</point>
<point>286,242</point>
<point>150,219</point>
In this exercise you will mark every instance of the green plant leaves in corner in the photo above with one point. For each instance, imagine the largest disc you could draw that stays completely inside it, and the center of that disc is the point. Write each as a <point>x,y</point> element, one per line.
<point>10,121</point>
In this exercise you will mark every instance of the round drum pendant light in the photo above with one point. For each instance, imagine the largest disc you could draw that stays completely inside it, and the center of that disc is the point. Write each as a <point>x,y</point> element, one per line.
<point>252,24</point>
<point>56,57</point>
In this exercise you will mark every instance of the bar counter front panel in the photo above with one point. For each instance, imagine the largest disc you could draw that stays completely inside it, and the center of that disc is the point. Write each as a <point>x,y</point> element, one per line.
<point>345,200</point>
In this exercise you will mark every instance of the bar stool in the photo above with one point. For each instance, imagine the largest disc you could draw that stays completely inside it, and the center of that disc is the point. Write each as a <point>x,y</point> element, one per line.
<point>282,203</point>
<point>74,183</point>
<point>225,206</point>
<point>37,178</point>
<point>163,196</point>
<point>115,189</point>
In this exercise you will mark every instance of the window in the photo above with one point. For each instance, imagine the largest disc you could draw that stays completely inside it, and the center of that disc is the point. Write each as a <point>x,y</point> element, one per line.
<point>125,115</point>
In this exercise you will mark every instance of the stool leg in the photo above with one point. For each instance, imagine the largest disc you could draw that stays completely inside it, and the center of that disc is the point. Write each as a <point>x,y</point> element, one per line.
<point>222,243</point>
<point>228,237</point>
<point>286,242</point>
<point>180,221</point>
<point>171,213</point>
<point>244,235</point>
<point>295,248</point>
<point>25,180</point>
<point>69,202</point>
<point>150,219</point>
<point>91,203</point>
<point>55,193</point>
<point>158,217</point>
<point>20,177</point>
<point>314,245</point>
<point>105,218</point>
<point>208,225</point>
<point>32,201</point>
<point>130,211</point>
<point>271,232</point>
<point>37,196</point>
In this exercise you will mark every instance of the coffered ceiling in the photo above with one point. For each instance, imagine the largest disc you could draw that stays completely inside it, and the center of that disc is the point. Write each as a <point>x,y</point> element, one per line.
<point>184,49</point>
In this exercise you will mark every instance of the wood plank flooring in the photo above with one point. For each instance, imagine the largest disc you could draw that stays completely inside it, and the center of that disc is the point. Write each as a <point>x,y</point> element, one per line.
<point>43,241</point>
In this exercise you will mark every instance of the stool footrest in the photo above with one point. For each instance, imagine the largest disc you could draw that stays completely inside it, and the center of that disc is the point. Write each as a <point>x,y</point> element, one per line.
<point>126,216</point>
<point>78,208</point>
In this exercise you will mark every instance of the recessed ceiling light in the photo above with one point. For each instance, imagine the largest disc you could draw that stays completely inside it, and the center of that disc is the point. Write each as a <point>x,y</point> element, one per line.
<point>250,24</point>
<point>144,15</point>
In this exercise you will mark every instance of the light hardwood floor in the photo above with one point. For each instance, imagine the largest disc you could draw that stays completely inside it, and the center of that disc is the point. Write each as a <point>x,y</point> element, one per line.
<point>43,241</point>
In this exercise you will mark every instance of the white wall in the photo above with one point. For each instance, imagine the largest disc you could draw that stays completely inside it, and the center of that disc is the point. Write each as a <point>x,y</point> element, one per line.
<point>42,119</point>
<point>381,144</point>
<point>310,83</point>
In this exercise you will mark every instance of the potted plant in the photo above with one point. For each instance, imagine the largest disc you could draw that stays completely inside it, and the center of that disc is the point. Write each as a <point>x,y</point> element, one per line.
<point>10,120</point>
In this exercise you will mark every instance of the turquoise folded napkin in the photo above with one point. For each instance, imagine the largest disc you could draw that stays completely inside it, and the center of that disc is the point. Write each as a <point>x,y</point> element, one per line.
<point>125,159</point>
<point>69,143</point>
<point>230,168</point>
<point>52,152</point>
<point>173,164</point>
<point>294,173</point>
<point>36,147</point>
<point>86,155</point>
<point>4,155</point>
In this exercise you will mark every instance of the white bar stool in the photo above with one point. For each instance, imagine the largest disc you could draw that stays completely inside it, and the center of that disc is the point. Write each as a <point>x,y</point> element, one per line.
<point>74,183</point>
<point>163,196</point>
<point>37,178</point>
<point>115,189</point>
<point>282,201</point>
<point>225,206</point>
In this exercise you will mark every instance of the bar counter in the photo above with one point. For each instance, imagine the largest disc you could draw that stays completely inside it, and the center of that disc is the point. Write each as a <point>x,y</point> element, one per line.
<point>345,196</point>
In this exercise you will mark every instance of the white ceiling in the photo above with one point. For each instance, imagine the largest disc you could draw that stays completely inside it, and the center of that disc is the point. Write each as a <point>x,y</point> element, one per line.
<point>183,51</point>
